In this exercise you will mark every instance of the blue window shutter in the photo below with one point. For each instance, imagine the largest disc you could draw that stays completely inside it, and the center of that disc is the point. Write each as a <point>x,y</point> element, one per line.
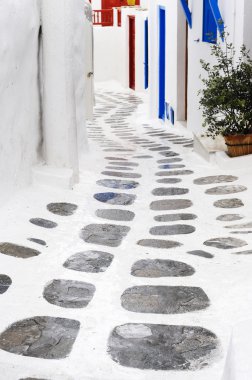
<point>209,24</point>
<point>146,54</point>
<point>217,17</point>
<point>187,12</point>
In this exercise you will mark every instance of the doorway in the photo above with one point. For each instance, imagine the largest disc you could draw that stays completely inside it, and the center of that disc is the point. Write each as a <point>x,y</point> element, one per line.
<point>132,52</point>
<point>162,62</point>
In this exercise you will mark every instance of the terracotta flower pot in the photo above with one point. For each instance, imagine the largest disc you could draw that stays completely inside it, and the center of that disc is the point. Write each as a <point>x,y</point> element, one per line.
<point>131,2</point>
<point>239,145</point>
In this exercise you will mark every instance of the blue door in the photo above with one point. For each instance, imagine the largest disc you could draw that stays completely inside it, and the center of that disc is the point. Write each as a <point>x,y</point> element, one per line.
<point>146,54</point>
<point>162,31</point>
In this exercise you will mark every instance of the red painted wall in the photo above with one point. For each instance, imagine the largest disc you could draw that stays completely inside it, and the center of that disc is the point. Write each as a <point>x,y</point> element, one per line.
<point>108,4</point>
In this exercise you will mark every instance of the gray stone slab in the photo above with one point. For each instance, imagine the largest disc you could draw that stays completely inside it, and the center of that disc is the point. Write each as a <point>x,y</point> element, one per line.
<point>89,261</point>
<point>119,199</point>
<point>119,168</point>
<point>169,180</point>
<point>215,179</point>
<point>162,347</point>
<point>225,243</point>
<point>169,191</point>
<point>69,294</point>
<point>157,243</point>
<point>143,156</point>
<point>174,217</point>
<point>40,222</point>
<point>229,217</point>
<point>174,204</point>
<point>222,190</point>
<point>62,208</point>
<point>37,241</point>
<point>174,173</point>
<point>5,283</point>
<point>248,252</point>
<point>241,232</point>
<point>117,215</point>
<point>201,253</point>
<point>171,166</point>
<point>169,160</point>
<point>160,149</point>
<point>240,226</point>
<point>120,174</point>
<point>161,268</point>
<point>169,154</point>
<point>110,235</point>
<point>130,164</point>
<point>229,203</point>
<point>19,251</point>
<point>41,337</point>
<point>116,159</point>
<point>118,184</point>
<point>164,299</point>
<point>176,229</point>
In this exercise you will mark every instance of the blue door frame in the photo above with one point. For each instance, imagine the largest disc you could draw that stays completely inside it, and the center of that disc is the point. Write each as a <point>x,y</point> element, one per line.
<point>162,61</point>
<point>146,54</point>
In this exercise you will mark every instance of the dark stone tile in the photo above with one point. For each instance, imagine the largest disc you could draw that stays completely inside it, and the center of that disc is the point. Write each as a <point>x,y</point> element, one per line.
<point>161,268</point>
<point>157,243</point>
<point>37,241</point>
<point>43,223</point>
<point>19,251</point>
<point>171,166</point>
<point>241,232</point>
<point>174,204</point>
<point>89,261</point>
<point>5,283</point>
<point>229,217</point>
<point>225,243</point>
<point>122,175</point>
<point>169,191</point>
<point>222,190</point>
<point>162,347</point>
<point>130,164</point>
<point>169,160</point>
<point>249,252</point>
<point>41,337</point>
<point>117,215</point>
<point>174,217</point>
<point>115,198</point>
<point>69,294</point>
<point>116,159</point>
<point>110,235</point>
<point>143,156</point>
<point>229,203</point>
<point>176,229</point>
<point>62,209</point>
<point>215,179</point>
<point>160,149</point>
<point>164,299</point>
<point>169,180</point>
<point>169,154</point>
<point>118,184</point>
<point>240,226</point>
<point>174,172</point>
<point>201,253</point>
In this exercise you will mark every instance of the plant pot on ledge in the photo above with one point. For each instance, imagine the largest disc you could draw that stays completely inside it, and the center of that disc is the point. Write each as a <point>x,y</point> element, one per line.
<point>239,145</point>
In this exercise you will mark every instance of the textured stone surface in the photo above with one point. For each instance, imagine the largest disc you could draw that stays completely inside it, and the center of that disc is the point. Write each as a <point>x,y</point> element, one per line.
<point>19,251</point>
<point>222,190</point>
<point>62,209</point>
<point>115,198</point>
<point>171,166</point>
<point>176,229</point>
<point>169,180</point>
<point>110,235</point>
<point>40,222</point>
<point>5,283</point>
<point>157,243</point>
<point>89,261</point>
<point>169,191</point>
<point>201,253</point>
<point>120,168</point>
<point>37,241</point>
<point>229,203</point>
<point>122,175</point>
<point>225,243</point>
<point>229,217</point>
<point>169,154</point>
<point>215,179</point>
<point>41,337</point>
<point>130,164</point>
<point>174,172</point>
<point>160,149</point>
<point>69,294</point>
<point>161,268</point>
<point>169,160</point>
<point>118,215</point>
<point>248,252</point>
<point>118,184</point>
<point>164,299</point>
<point>238,226</point>
<point>143,156</point>
<point>174,217</point>
<point>175,204</point>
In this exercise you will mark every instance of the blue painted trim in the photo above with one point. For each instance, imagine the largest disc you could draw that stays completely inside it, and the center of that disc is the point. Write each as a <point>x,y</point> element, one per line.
<point>162,61</point>
<point>209,33</point>
<point>188,13</point>
<point>167,108</point>
<point>146,54</point>
<point>217,16</point>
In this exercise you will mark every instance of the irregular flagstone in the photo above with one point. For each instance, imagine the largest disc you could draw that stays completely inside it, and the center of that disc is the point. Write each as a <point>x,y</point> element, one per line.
<point>118,168</point>
<point>5,283</point>
<point>215,179</point>
<point>116,158</point>
<point>229,203</point>
<point>169,180</point>
<point>131,164</point>
<point>174,172</point>
<point>164,299</point>
<point>40,222</point>
<point>62,209</point>
<point>169,191</point>
<point>229,217</point>
<point>225,243</point>
<point>157,243</point>
<point>19,251</point>
<point>237,226</point>
<point>176,229</point>
<point>162,347</point>
<point>41,337</point>
<point>143,156</point>
<point>248,252</point>
<point>115,198</point>
<point>175,204</point>
<point>169,160</point>
<point>118,215</point>
<point>122,175</point>
<point>241,232</point>
<point>171,166</point>
<point>89,261</point>
<point>37,241</point>
<point>161,268</point>
<point>169,154</point>
<point>201,253</point>
<point>222,190</point>
<point>110,235</point>
<point>69,294</point>
<point>118,184</point>
<point>174,217</point>
<point>160,149</point>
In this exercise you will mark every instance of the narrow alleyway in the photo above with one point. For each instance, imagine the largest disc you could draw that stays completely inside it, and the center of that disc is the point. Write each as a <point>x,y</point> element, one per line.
<point>139,272</point>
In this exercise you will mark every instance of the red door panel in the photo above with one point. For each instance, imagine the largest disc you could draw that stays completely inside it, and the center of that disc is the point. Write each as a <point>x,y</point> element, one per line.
<point>132,52</point>
<point>108,4</point>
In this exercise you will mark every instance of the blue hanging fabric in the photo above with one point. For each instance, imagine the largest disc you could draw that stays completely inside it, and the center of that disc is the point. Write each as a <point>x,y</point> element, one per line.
<point>187,12</point>
<point>217,16</point>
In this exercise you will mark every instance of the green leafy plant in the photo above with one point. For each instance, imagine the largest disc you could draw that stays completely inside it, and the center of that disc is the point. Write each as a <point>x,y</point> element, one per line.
<point>226,97</point>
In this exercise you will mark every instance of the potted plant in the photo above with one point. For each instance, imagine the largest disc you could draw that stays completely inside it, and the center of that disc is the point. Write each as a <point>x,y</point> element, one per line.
<point>226,97</point>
